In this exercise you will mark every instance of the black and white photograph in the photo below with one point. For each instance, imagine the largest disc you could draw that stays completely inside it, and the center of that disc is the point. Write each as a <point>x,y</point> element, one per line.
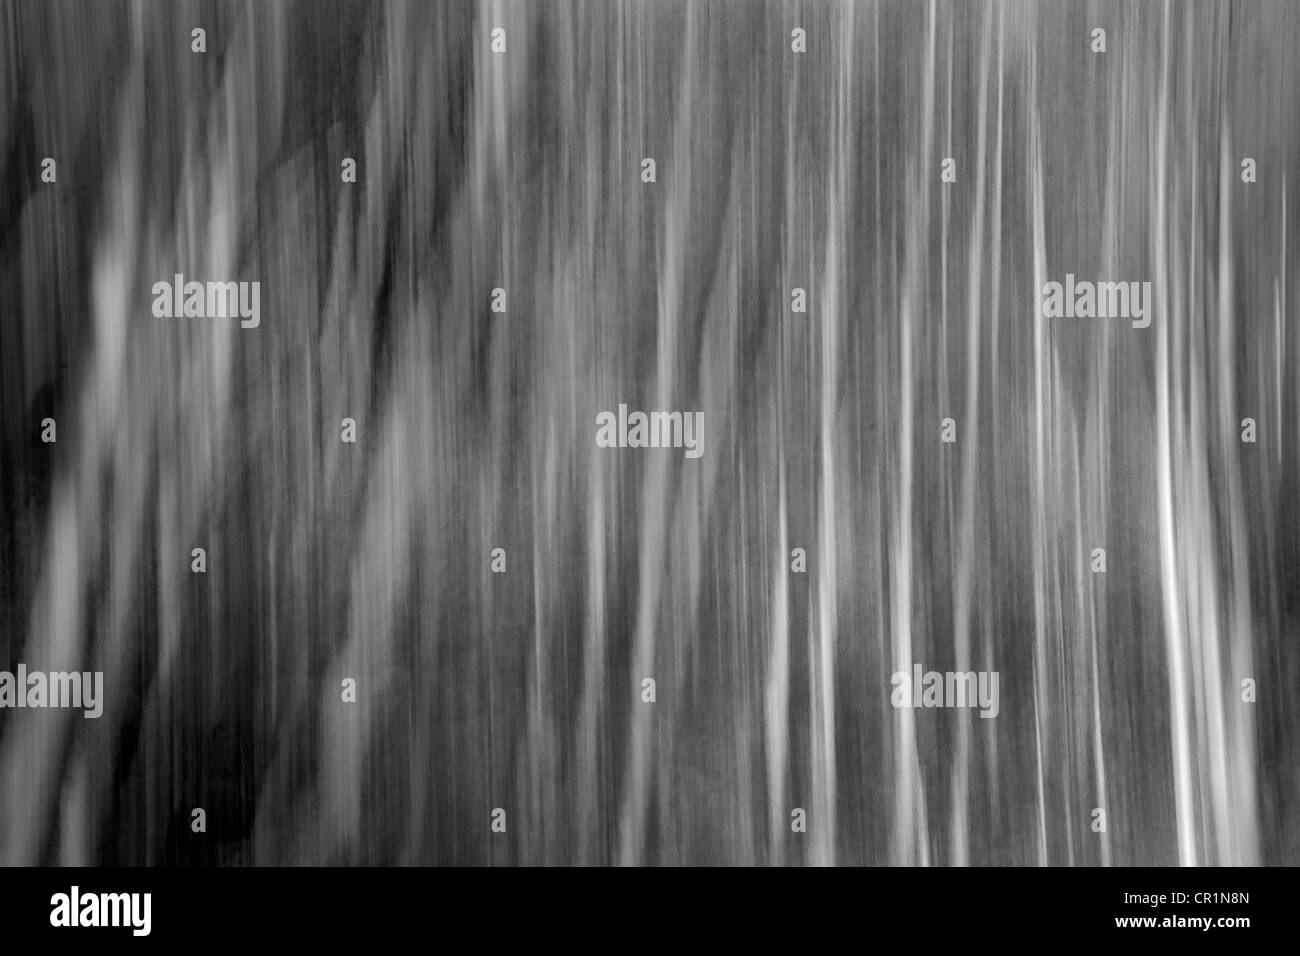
<point>452,435</point>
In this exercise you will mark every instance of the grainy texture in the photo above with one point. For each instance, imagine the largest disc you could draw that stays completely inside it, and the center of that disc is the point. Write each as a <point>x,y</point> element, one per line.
<point>475,430</point>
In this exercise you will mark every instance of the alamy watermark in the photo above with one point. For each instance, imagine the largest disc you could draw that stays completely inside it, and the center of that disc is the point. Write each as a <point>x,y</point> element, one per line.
<point>54,689</point>
<point>1100,300</point>
<point>211,300</point>
<point>651,430</point>
<point>947,689</point>
<point>74,908</point>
